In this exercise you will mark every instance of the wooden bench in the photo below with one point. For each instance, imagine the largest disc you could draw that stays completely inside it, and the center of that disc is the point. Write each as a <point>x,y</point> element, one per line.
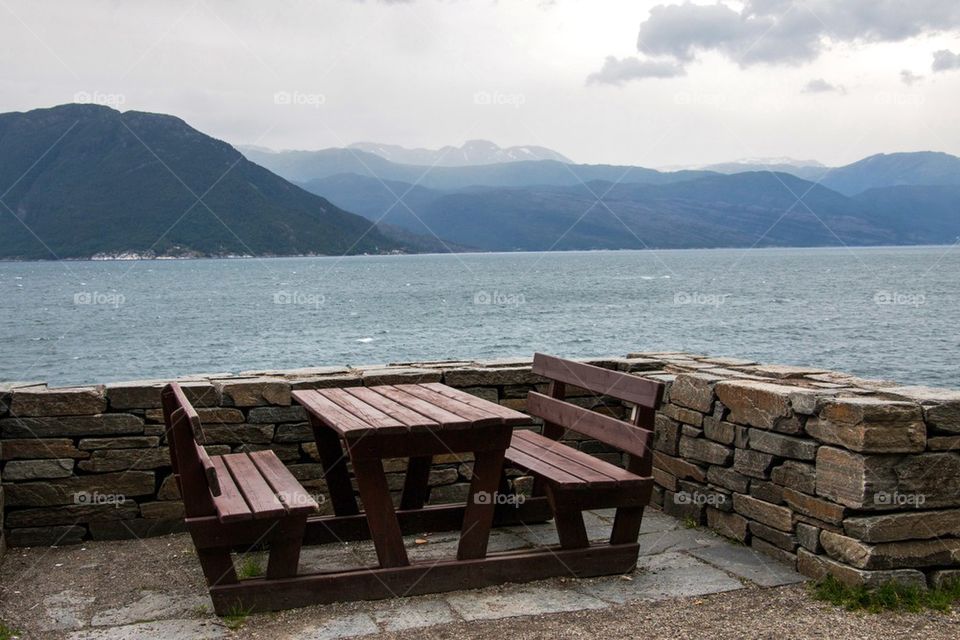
<point>235,501</point>
<point>574,481</point>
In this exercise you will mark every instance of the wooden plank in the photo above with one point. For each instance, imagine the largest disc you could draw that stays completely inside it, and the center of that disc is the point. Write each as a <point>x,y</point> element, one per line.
<point>605,382</point>
<point>591,472</point>
<point>381,517</point>
<point>368,414</point>
<point>557,476</point>
<point>609,470</point>
<point>416,482</point>
<point>475,415</point>
<point>290,492</point>
<point>475,533</point>
<point>209,470</point>
<point>286,540</point>
<point>509,416</point>
<point>258,494</point>
<point>413,420</point>
<point>626,525</point>
<point>259,594</point>
<point>331,414</point>
<point>444,418</point>
<point>230,505</point>
<point>335,471</point>
<point>611,431</point>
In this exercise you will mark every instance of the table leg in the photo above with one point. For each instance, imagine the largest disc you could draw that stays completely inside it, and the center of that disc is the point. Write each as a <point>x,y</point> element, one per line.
<point>381,516</point>
<point>478,517</point>
<point>415,484</point>
<point>335,469</point>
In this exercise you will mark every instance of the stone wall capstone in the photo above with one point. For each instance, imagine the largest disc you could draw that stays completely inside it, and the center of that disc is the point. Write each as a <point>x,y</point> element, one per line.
<point>831,474</point>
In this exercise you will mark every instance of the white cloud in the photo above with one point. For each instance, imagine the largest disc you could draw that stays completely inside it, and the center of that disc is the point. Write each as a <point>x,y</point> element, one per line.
<point>909,77</point>
<point>945,60</point>
<point>819,85</point>
<point>617,71</point>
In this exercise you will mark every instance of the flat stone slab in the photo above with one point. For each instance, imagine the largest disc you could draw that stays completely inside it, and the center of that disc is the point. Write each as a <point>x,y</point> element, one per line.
<point>513,601</point>
<point>152,605</point>
<point>412,614</point>
<point>677,540</point>
<point>183,629</point>
<point>668,575</point>
<point>346,626</point>
<point>748,564</point>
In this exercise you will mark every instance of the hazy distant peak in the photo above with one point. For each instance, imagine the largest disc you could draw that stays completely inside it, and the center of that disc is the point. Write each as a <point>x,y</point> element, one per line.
<point>471,153</point>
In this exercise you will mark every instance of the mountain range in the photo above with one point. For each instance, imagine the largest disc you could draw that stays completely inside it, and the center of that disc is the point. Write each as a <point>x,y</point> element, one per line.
<point>83,180</point>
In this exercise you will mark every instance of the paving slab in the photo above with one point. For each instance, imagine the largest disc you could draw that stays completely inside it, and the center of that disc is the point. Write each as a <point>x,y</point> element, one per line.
<point>748,564</point>
<point>520,600</point>
<point>64,611</point>
<point>668,575</point>
<point>678,540</point>
<point>413,614</point>
<point>348,625</point>
<point>153,605</point>
<point>182,629</point>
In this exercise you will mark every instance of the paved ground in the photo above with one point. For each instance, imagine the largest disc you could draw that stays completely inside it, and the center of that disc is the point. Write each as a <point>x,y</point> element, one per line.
<point>154,589</point>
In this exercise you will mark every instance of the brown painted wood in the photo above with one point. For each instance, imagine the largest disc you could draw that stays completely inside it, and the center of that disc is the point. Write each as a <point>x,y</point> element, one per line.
<point>413,420</point>
<point>231,507</point>
<point>616,433</point>
<point>255,490</point>
<point>477,416</point>
<point>593,471</point>
<point>259,594</point>
<point>570,528</point>
<point>478,517</point>
<point>331,414</point>
<point>439,442</point>
<point>510,417</point>
<point>217,566</point>
<point>626,525</point>
<point>556,476</point>
<point>605,382</point>
<point>288,490</point>
<point>444,418</point>
<point>370,415</point>
<point>416,483</point>
<point>381,517</point>
<point>335,471</point>
<point>285,542</point>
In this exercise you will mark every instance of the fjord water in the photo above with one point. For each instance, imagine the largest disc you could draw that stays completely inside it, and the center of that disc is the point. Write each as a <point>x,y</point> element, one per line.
<point>891,313</point>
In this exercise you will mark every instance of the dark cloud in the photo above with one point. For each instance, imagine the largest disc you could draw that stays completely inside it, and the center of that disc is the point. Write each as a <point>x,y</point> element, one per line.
<point>819,85</point>
<point>945,60</point>
<point>786,31</point>
<point>617,72</point>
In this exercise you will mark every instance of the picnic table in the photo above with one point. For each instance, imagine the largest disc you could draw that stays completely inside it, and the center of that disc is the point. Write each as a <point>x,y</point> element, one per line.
<point>247,500</point>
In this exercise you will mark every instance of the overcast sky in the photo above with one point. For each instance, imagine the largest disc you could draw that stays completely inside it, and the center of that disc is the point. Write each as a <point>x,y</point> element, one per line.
<point>656,83</point>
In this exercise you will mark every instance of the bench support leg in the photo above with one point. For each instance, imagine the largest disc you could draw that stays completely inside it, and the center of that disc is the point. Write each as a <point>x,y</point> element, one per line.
<point>285,543</point>
<point>481,502</point>
<point>626,525</point>
<point>415,484</point>
<point>570,529</point>
<point>381,516</point>
<point>217,565</point>
<point>335,469</point>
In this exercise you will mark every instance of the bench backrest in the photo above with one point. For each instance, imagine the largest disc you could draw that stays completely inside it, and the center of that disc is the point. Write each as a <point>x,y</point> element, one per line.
<point>634,437</point>
<point>195,474</point>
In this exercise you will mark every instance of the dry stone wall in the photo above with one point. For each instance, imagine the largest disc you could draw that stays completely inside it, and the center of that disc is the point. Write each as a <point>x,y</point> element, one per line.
<point>829,473</point>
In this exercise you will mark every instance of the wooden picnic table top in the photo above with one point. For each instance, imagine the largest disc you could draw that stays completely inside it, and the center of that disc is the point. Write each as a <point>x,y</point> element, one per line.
<point>355,412</point>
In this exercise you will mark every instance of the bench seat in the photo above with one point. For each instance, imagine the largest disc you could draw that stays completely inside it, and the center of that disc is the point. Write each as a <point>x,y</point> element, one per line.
<point>257,486</point>
<point>567,468</point>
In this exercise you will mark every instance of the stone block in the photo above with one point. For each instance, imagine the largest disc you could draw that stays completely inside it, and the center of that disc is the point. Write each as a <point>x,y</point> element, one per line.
<point>105,460</point>
<point>704,450</point>
<point>796,475</point>
<point>783,446</point>
<point>219,415</point>
<point>80,489</point>
<point>943,443</point>
<point>808,536</point>
<point>773,551</point>
<point>944,578</point>
<point>870,425</point>
<point>784,540</point>
<point>891,527</point>
<point>201,393</point>
<point>45,536</point>
<point>133,442</point>
<point>728,524</point>
<point>682,414</point>
<point>891,555</point>
<point>273,415</point>
<point>819,567</point>
<point>489,394</point>
<point>162,510</point>
<point>301,432</point>
<point>67,401</point>
<point>666,435</point>
<point>34,448</point>
<point>694,391</point>
<point>766,491</point>
<point>719,430</point>
<point>17,470</point>
<point>755,464</point>
<point>813,507</point>
<point>888,482</point>
<point>682,508</point>
<point>134,395</point>
<point>108,424</point>
<point>490,376</point>
<point>679,468</point>
<point>72,514</point>
<point>254,392</point>
<point>728,479</point>
<point>941,407</point>
<point>239,433</point>
<point>399,375</point>
<point>327,382</point>
<point>769,514</point>
<point>760,404</point>
<point>664,479</point>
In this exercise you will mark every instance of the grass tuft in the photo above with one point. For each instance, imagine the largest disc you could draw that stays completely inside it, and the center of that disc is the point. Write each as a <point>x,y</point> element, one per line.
<point>891,596</point>
<point>235,618</point>
<point>250,567</point>
<point>6,633</point>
